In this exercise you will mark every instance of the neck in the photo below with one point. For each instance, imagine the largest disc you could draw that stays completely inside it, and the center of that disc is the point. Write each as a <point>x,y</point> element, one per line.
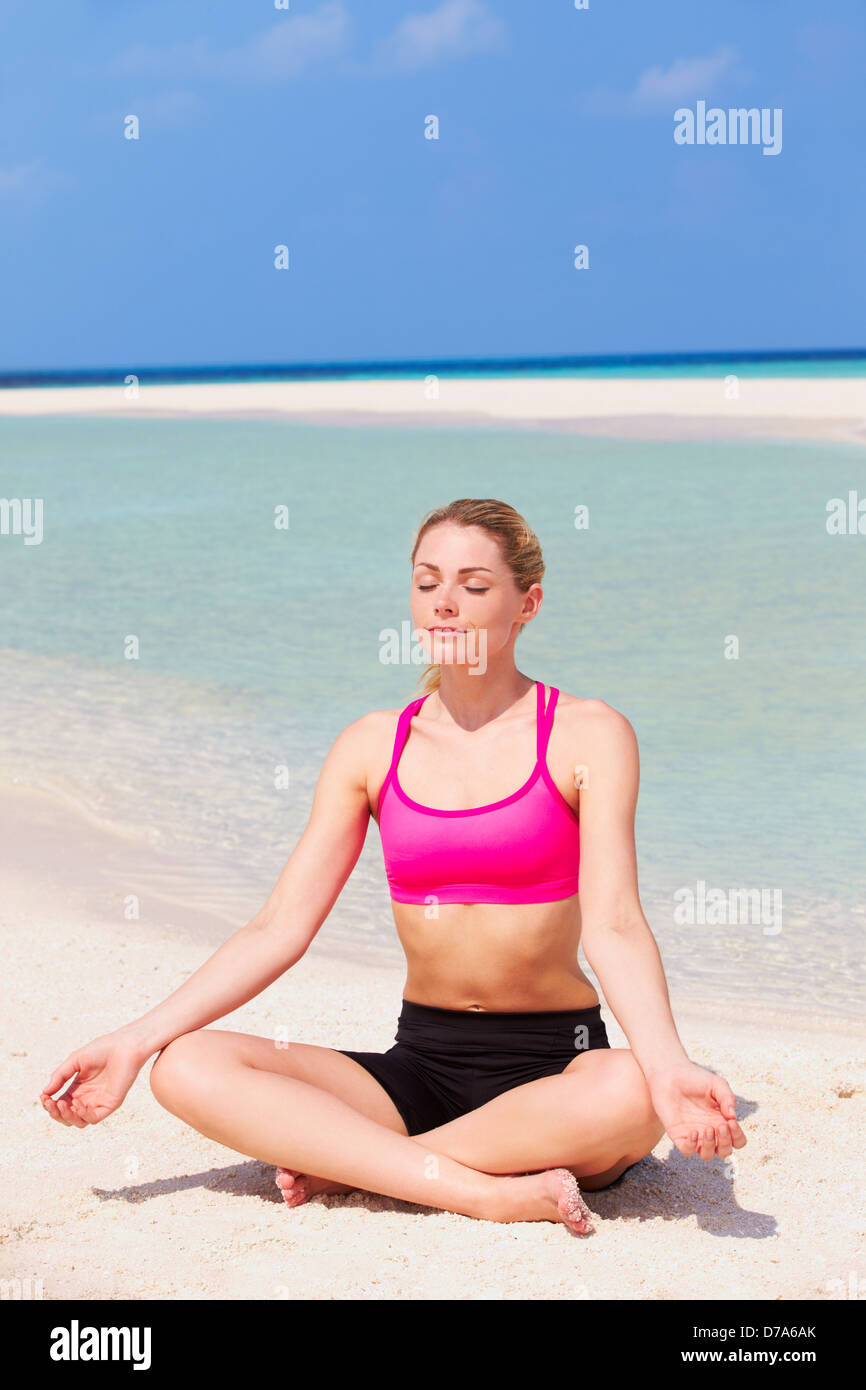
<point>473,700</point>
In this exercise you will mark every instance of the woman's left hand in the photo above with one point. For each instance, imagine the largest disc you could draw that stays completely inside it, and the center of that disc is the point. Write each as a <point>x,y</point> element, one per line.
<point>698,1111</point>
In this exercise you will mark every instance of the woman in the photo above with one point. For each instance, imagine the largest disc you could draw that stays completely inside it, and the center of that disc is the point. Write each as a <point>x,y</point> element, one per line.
<point>502,1089</point>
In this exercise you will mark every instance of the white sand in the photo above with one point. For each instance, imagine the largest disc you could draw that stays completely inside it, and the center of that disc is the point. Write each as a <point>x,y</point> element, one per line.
<point>802,407</point>
<point>140,1206</point>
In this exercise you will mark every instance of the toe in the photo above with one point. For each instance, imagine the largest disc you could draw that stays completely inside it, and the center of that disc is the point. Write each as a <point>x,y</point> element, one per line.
<point>296,1197</point>
<point>573,1209</point>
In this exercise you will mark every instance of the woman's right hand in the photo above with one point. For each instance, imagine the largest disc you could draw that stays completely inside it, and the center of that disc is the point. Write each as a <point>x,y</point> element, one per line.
<point>106,1069</point>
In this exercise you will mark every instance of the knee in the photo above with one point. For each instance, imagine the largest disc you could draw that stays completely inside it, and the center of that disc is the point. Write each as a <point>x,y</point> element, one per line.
<point>178,1067</point>
<point>625,1081</point>
<point>648,1127</point>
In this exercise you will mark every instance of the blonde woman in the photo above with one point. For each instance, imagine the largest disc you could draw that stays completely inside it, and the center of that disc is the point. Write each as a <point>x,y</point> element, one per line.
<point>501,1096</point>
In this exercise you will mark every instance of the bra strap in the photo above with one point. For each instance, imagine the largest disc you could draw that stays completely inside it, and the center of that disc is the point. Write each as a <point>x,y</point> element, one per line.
<point>400,737</point>
<point>402,733</point>
<point>545,720</point>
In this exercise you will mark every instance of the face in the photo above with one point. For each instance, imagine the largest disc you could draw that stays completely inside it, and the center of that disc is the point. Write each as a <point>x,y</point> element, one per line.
<point>462,585</point>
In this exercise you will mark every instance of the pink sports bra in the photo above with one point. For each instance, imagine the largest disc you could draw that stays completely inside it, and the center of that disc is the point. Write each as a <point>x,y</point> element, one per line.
<point>523,849</point>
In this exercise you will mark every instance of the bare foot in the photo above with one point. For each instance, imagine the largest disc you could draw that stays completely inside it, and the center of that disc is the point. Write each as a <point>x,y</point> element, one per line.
<point>548,1196</point>
<point>298,1187</point>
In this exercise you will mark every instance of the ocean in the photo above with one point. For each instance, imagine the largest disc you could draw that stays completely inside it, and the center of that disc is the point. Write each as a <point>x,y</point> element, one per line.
<point>256,646</point>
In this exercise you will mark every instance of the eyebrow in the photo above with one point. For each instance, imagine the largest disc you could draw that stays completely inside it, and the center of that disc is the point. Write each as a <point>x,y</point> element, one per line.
<point>467,569</point>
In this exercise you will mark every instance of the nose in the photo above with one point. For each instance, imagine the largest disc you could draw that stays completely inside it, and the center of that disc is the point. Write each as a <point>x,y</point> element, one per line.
<point>445,607</point>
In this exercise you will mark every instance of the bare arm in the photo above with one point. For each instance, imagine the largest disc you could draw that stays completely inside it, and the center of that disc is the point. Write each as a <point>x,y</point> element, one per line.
<point>617,939</point>
<point>280,933</point>
<point>696,1106</point>
<point>273,941</point>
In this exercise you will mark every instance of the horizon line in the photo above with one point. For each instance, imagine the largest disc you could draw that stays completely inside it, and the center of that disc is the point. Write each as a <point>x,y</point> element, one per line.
<point>429,366</point>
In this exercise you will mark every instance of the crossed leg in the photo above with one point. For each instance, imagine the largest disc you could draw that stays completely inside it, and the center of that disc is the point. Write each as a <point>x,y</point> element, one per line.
<point>594,1118</point>
<point>320,1112</point>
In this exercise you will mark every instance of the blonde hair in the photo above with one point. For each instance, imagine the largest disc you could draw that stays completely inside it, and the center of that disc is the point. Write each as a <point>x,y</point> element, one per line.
<point>517,540</point>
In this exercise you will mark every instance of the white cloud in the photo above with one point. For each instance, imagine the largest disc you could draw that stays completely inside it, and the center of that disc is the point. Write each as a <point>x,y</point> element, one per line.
<point>283,50</point>
<point>30,182</point>
<point>454,29</point>
<point>686,77</point>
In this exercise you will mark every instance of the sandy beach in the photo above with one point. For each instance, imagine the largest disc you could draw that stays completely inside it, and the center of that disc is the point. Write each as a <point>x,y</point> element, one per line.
<point>140,1206</point>
<point>676,407</point>
<point>374,330</point>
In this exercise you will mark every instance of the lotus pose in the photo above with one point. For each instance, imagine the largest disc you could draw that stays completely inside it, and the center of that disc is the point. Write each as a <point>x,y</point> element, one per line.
<point>506,812</point>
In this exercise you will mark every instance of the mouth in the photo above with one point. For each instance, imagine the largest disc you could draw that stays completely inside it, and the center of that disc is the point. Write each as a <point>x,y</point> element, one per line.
<point>446,629</point>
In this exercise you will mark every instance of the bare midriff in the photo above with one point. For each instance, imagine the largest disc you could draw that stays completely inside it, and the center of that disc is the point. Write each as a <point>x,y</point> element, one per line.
<point>497,957</point>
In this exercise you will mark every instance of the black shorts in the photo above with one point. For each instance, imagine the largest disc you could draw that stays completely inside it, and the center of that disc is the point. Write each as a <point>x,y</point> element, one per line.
<point>445,1062</point>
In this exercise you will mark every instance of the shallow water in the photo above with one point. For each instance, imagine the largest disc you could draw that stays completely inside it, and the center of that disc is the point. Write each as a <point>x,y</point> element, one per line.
<point>258,645</point>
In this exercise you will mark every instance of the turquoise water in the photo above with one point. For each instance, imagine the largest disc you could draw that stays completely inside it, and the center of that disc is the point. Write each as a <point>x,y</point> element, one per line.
<point>846,363</point>
<point>257,646</point>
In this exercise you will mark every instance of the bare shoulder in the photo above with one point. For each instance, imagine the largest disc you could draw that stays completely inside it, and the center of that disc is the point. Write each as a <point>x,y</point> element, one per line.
<point>364,748</point>
<point>357,757</point>
<point>596,723</point>
<point>367,734</point>
<point>590,711</point>
<point>376,725</point>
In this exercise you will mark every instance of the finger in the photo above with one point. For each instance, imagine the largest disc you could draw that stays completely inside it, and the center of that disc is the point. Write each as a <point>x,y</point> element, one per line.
<point>722,1093</point>
<point>723,1141</point>
<point>70,1092</point>
<point>51,1107</point>
<point>738,1138</point>
<point>77,1106</point>
<point>688,1144</point>
<point>87,1112</point>
<point>708,1143</point>
<point>59,1077</point>
<point>68,1113</point>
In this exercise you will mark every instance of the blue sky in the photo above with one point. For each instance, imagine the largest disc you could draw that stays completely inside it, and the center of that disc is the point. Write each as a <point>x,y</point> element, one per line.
<point>305,127</point>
